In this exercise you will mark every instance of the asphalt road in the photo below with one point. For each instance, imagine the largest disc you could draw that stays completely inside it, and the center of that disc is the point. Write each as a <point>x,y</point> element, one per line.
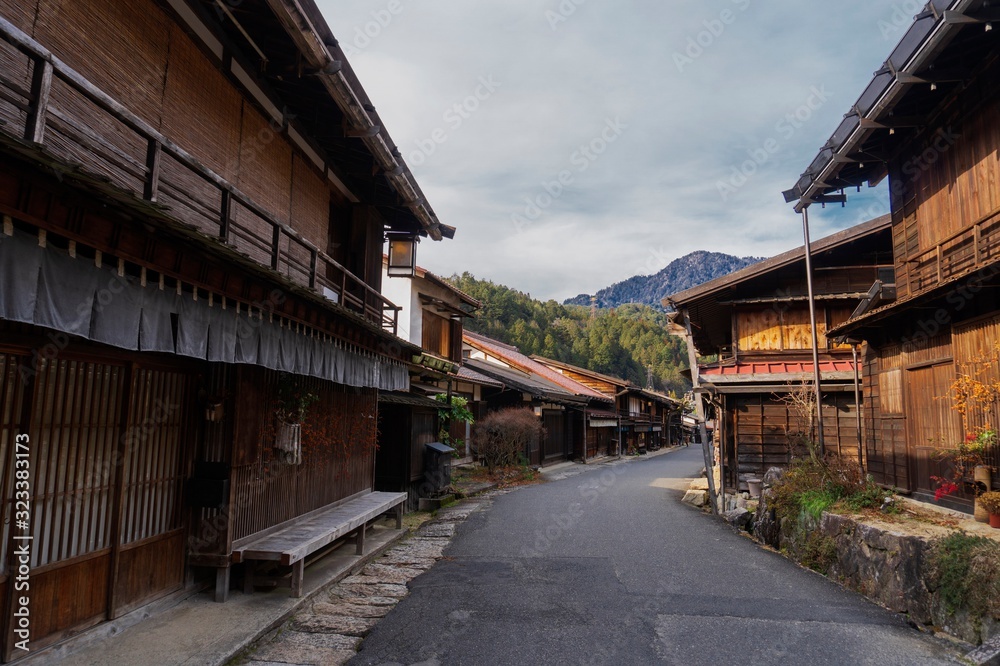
<point>608,567</point>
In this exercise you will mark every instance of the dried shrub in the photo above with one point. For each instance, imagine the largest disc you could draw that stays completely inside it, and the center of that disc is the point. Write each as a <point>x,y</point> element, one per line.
<point>505,437</point>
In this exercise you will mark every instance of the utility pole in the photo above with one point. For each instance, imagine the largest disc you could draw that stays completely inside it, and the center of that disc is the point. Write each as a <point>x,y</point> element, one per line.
<point>815,332</point>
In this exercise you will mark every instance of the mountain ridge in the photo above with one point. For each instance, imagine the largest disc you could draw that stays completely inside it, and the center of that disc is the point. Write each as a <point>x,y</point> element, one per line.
<point>691,270</point>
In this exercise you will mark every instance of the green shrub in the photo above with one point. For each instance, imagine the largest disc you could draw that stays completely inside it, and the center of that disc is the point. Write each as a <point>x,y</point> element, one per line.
<point>813,503</point>
<point>812,486</point>
<point>965,572</point>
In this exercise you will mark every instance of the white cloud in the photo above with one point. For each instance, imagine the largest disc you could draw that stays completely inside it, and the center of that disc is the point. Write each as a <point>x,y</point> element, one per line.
<point>653,194</point>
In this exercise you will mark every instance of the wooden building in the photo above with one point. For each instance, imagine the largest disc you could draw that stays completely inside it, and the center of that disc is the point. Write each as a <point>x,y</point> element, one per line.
<point>431,316</point>
<point>929,121</point>
<point>562,403</point>
<point>755,322</point>
<point>194,199</point>
<point>641,419</point>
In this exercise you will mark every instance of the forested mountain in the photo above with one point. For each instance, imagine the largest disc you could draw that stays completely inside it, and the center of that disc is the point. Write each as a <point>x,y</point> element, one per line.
<point>625,342</point>
<point>680,274</point>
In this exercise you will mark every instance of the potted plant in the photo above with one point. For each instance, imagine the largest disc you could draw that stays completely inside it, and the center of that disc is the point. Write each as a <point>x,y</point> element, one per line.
<point>293,402</point>
<point>991,502</point>
<point>968,468</point>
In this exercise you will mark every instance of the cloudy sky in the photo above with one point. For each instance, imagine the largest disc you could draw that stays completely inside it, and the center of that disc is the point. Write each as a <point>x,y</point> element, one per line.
<point>575,143</point>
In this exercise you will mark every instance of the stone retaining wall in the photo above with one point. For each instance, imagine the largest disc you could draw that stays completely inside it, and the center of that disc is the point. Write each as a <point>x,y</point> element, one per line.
<point>882,563</point>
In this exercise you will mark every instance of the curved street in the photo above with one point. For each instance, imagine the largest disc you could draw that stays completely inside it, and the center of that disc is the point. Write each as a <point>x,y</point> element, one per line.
<point>608,567</point>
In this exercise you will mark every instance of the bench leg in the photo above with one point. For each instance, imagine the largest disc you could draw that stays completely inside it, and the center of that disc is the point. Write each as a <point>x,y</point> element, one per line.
<point>297,570</point>
<point>248,572</point>
<point>221,584</point>
<point>399,516</point>
<point>361,539</point>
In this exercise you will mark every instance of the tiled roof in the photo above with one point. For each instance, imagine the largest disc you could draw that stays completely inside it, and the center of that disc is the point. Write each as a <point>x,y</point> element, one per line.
<point>524,381</point>
<point>468,374</point>
<point>515,358</point>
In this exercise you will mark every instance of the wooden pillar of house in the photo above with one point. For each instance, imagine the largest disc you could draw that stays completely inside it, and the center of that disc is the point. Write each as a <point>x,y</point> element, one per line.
<point>699,407</point>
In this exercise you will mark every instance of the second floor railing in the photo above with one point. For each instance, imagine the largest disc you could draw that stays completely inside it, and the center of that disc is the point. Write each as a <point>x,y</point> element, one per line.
<point>56,107</point>
<point>961,253</point>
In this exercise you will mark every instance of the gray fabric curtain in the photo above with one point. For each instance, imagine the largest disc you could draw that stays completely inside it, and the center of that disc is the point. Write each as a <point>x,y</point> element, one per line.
<point>66,288</point>
<point>116,319</point>
<point>48,288</point>
<point>270,343</point>
<point>221,335</point>
<point>192,328</point>
<point>20,261</point>
<point>247,339</point>
<point>156,329</point>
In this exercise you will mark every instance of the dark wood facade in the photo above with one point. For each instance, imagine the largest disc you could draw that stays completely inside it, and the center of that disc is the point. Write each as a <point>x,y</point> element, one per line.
<point>944,195</point>
<point>757,322</point>
<point>635,420</point>
<point>147,160</point>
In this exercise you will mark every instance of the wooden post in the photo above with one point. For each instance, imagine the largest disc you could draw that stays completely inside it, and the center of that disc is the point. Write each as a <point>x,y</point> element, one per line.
<point>298,571</point>
<point>313,256</point>
<point>41,87</point>
<point>275,246</point>
<point>249,569</point>
<point>225,214</point>
<point>699,407</point>
<point>24,426</point>
<point>361,540</point>
<point>222,584</point>
<point>152,186</point>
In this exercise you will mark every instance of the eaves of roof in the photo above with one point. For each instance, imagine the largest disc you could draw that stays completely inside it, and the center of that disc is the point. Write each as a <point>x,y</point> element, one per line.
<point>537,387</point>
<point>514,357</point>
<point>724,282</point>
<point>945,34</point>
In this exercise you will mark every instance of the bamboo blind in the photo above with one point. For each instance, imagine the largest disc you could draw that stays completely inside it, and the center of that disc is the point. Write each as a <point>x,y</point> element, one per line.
<point>265,164</point>
<point>201,109</point>
<point>310,203</point>
<point>120,46</point>
<point>15,75</point>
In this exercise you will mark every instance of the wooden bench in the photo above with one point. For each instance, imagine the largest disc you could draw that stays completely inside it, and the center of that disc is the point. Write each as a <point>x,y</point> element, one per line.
<point>291,543</point>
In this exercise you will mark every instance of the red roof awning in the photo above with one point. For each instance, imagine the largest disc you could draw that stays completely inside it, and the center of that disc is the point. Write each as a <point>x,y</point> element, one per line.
<point>779,368</point>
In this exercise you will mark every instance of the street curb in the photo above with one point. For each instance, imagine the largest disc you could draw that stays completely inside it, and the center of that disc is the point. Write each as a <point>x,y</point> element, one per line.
<point>987,654</point>
<point>460,495</point>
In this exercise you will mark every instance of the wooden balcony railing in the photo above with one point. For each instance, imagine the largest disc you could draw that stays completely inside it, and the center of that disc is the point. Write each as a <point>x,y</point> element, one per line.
<point>959,254</point>
<point>118,145</point>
